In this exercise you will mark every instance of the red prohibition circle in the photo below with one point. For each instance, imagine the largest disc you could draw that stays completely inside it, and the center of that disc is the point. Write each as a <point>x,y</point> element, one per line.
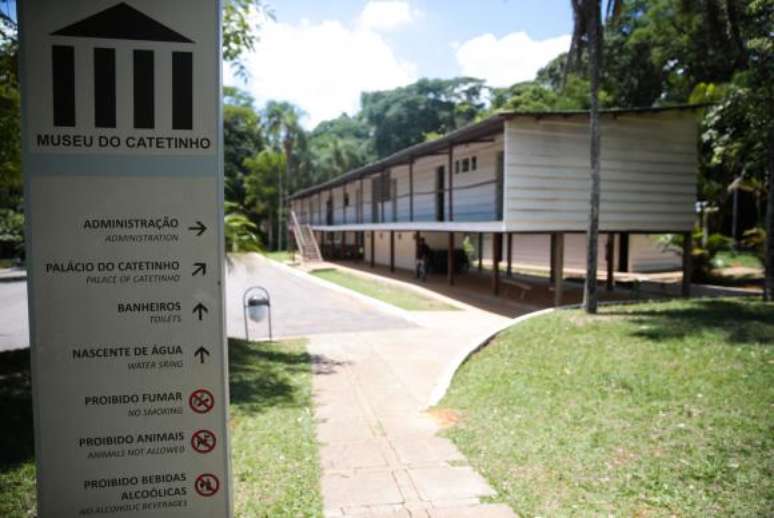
<point>203,441</point>
<point>206,484</point>
<point>201,401</point>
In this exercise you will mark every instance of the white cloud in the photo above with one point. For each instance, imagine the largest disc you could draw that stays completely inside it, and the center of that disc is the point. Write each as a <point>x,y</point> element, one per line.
<point>513,58</point>
<point>386,15</point>
<point>321,67</point>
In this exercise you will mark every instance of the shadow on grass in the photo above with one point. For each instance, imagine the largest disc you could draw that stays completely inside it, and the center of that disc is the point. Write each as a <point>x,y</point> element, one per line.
<point>740,322</point>
<point>261,375</point>
<point>17,443</point>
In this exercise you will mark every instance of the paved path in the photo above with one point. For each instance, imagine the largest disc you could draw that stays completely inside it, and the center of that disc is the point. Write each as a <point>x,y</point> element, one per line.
<point>14,332</point>
<point>300,306</point>
<point>380,452</point>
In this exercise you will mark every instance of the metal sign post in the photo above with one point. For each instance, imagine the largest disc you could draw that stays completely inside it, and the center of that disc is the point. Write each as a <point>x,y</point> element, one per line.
<point>122,153</point>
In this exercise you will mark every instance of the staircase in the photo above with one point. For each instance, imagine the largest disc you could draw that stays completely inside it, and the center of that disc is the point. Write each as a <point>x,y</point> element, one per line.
<point>305,240</point>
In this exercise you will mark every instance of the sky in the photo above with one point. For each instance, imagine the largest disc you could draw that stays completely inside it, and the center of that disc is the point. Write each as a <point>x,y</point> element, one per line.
<point>320,55</point>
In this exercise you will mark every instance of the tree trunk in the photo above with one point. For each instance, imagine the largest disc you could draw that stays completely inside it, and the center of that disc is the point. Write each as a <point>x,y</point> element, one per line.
<point>768,255</point>
<point>592,234</point>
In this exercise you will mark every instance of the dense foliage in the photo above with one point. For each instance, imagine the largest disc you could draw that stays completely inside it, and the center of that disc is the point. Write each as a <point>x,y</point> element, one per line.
<point>656,52</point>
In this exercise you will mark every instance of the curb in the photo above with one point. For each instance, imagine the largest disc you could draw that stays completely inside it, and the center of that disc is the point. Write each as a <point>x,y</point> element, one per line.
<point>443,384</point>
<point>420,290</point>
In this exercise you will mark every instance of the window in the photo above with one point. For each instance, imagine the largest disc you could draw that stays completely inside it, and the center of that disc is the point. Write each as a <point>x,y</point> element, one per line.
<point>465,165</point>
<point>346,199</point>
<point>473,163</point>
<point>457,167</point>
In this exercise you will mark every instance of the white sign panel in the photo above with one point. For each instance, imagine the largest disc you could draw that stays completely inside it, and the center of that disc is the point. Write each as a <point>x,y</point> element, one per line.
<point>123,172</point>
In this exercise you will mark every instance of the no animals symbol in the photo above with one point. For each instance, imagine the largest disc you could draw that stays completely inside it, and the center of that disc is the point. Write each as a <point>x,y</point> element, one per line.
<point>203,441</point>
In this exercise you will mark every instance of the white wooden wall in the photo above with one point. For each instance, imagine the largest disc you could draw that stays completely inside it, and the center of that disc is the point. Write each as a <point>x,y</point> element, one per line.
<point>648,178</point>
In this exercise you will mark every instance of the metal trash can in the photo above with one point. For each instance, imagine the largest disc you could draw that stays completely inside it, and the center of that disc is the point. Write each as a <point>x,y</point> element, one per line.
<point>257,308</point>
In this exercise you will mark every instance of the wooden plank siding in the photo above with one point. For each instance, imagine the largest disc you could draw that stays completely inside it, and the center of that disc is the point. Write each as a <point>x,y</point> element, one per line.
<point>648,177</point>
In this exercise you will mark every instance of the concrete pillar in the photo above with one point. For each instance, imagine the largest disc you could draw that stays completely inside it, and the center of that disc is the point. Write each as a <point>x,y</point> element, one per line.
<point>480,251</point>
<point>558,268</point>
<point>373,249</point>
<point>497,245</point>
<point>450,259</point>
<point>610,260</point>
<point>392,250</point>
<point>509,252</point>
<point>687,263</point>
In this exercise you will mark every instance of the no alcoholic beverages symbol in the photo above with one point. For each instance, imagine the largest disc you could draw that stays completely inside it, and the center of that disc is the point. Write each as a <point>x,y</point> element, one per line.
<point>201,401</point>
<point>206,484</point>
<point>203,441</point>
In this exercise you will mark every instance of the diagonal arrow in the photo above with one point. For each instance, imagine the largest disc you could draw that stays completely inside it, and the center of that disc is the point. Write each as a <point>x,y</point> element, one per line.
<point>200,267</point>
<point>201,309</point>
<point>201,352</point>
<point>199,228</point>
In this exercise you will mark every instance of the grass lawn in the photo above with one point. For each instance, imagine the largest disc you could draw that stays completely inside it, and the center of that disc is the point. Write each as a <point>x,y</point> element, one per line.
<point>274,450</point>
<point>731,259</point>
<point>282,256</point>
<point>389,293</point>
<point>657,409</point>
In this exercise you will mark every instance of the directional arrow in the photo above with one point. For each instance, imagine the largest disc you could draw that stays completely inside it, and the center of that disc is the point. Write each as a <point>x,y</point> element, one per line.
<point>199,228</point>
<point>201,352</point>
<point>200,267</point>
<point>200,309</point>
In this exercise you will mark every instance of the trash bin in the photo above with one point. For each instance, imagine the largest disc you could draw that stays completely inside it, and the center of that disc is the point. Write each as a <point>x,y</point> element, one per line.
<point>257,308</point>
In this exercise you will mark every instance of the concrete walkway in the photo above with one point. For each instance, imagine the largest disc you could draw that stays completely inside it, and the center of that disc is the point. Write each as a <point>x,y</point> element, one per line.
<point>380,452</point>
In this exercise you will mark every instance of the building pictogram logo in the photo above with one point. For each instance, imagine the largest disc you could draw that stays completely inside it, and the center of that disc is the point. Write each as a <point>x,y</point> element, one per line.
<point>121,22</point>
<point>201,401</point>
<point>203,441</point>
<point>206,484</point>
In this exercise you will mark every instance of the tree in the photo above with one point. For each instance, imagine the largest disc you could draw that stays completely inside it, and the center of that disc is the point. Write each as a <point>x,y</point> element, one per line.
<point>261,188</point>
<point>241,24</point>
<point>283,131</point>
<point>403,116</point>
<point>588,33</point>
<point>242,138</point>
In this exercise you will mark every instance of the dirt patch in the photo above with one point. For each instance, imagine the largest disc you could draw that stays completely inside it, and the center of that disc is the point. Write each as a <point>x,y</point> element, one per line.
<point>445,417</point>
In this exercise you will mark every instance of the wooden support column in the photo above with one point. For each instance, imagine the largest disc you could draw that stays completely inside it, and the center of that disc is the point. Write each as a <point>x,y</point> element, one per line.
<point>610,261</point>
<point>373,249</point>
<point>343,243</point>
<point>623,252</point>
<point>497,245</point>
<point>319,209</point>
<point>411,189</point>
<point>509,254</point>
<point>480,251</point>
<point>344,205</point>
<point>552,259</point>
<point>450,259</point>
<point>451,182</point>
<point>392,250</point>
<point>558,254</point>
<point>687,263</point>
<point>361,208</point>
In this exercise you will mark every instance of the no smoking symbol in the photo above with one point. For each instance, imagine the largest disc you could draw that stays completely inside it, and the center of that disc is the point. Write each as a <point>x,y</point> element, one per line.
<point>203,441</point>
<point>201,401</point>
<point>206,484</point>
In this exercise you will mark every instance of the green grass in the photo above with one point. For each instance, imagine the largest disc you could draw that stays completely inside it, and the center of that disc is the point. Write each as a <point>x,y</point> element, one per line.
<point>274,451</point>
<point>656,409</point>
<point>744,259</point>
<point>389,293</point>
<point>282,256</point>
<point>273,446</point>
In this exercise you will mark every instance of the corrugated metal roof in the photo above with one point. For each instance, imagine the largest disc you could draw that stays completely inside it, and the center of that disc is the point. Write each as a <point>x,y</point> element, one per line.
<point>471,132</point>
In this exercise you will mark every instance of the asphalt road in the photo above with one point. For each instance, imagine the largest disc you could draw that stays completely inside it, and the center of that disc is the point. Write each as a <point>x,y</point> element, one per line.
<point>13,316</point>
<point>300,306</point>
